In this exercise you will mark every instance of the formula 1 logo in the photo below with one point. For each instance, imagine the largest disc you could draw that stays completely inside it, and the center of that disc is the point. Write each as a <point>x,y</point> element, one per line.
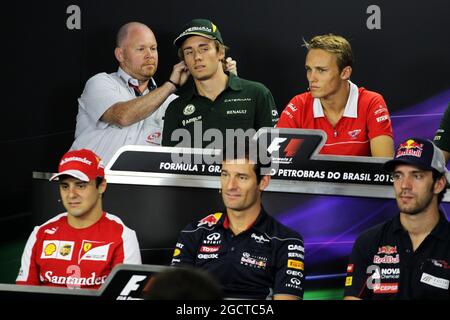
<point>291,148</point>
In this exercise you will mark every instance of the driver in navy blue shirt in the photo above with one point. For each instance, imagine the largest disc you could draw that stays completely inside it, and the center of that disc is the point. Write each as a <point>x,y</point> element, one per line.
<point>408,256</point>
<point>251,254</point>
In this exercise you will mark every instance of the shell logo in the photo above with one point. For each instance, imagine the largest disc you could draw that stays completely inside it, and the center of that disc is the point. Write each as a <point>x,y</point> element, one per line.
<point>50,249</point>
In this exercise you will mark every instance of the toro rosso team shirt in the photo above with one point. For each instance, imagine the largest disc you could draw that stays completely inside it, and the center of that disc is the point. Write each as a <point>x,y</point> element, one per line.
<point>365,117</point>
<point>265,260</point>
<point>57,254</point>
<point>383,264</point>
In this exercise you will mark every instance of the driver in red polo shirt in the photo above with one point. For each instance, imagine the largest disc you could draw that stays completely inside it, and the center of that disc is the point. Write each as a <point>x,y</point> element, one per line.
<point>356,120</point>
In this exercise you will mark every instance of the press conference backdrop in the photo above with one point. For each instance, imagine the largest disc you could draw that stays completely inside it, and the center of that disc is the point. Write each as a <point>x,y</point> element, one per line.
<point>401,50</point>
<point>157,197</point>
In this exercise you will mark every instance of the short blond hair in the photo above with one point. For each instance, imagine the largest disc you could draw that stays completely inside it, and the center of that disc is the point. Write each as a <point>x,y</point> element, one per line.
<point>335,44</point>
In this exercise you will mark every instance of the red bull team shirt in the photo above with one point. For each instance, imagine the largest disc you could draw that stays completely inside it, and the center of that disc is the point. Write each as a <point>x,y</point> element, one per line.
<point>384,266</point>
<point>265,260</point>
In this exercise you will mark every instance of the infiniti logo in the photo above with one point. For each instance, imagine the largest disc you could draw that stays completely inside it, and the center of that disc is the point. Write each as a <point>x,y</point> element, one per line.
<point>296,281</point>
<point>213,236</point>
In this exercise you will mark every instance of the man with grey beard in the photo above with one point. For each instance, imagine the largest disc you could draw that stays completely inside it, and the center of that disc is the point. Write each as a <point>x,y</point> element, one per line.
<point>408,256</point>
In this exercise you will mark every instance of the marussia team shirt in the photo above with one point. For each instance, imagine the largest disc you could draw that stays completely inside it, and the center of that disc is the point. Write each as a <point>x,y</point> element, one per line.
<point>365,117</point>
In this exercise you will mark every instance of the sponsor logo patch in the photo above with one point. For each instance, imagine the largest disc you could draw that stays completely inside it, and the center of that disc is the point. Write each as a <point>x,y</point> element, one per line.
<point>410,148</point>
<point>383,118</point>
<point>434,281</point>
<point>259,239</point>
<point>49,248</point>
<point>231,112</point>
<point>94,250</point>
<point>208,256</point>
<point>78,159</point>
<point>57,249</point>
<point>189,109</point>
<point>440,263</point>
<point>292,107</point>
<point>210,220</point>
<point>295,255</point>
<point>296,247</point>
<point>209,249</point>
<point>51,231</point>
<point>257,262</point>
<point>190,120</point>
<point>386,273</point>
<point>348,281</point>
<point>294,273</point>
<point>295,264</point>
<point>72,281</point>
<point>294,283</point>
<point>237,100</point>
<point>213,238</point>
<point>179,245</point>
<point>386,259</point>
<point>354,133</point>
<point>390,273</point>
<point>381,288</point>
<point>387,250</point>
<point>154,137</point>
<point>380,109</point>
<point>66,249</point>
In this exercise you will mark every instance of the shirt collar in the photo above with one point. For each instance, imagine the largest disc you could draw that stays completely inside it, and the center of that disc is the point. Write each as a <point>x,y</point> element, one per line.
<point>260,224</point>
<point>129,79</point>
<point>234,83</point>
<point>440,231</point>
<point>397,225</point>
<point>351,108</point>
